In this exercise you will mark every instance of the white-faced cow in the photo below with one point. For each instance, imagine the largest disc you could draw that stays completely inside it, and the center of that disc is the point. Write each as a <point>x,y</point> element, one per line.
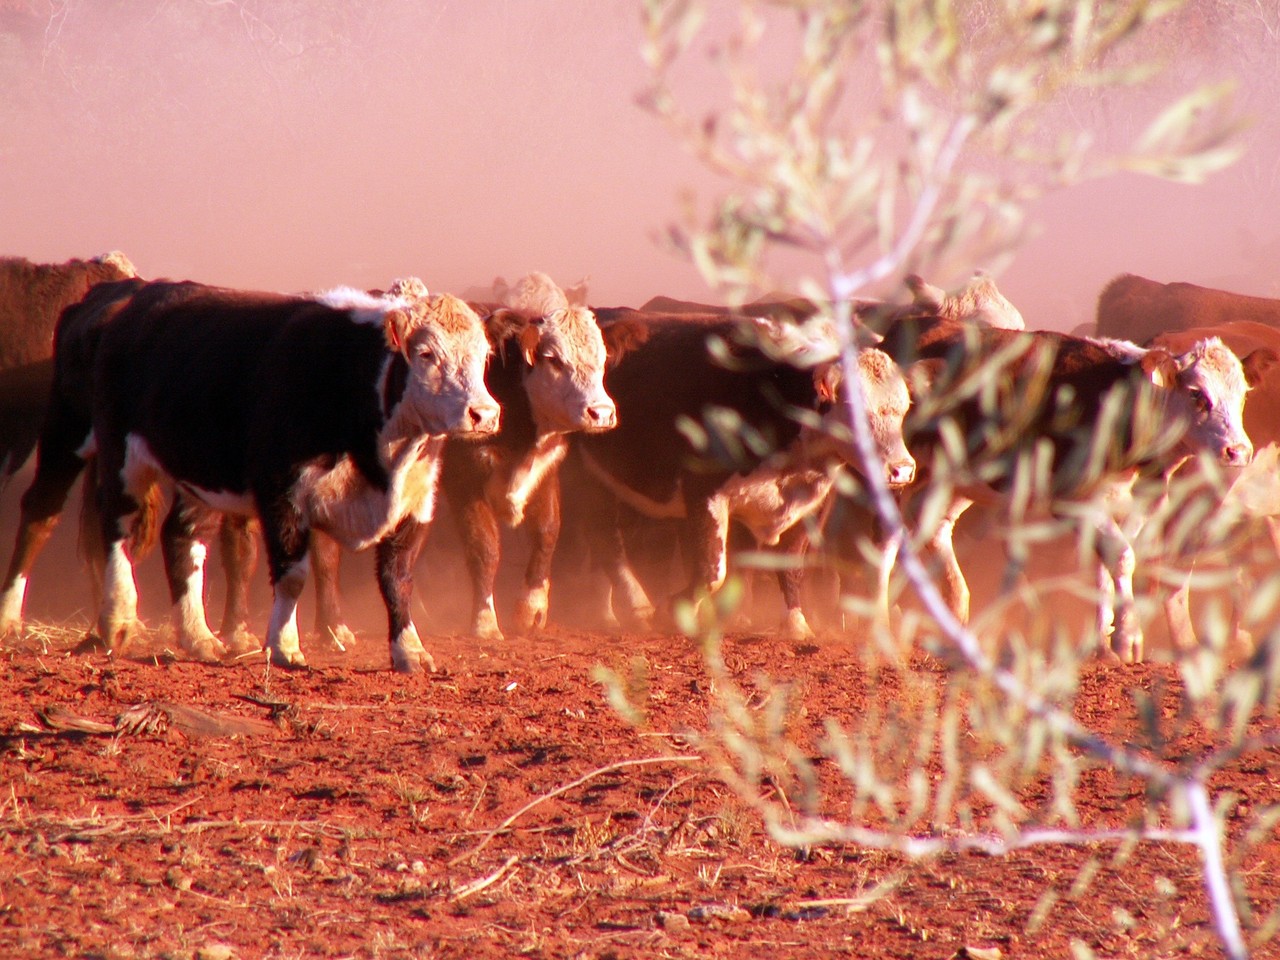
<point>322,412</point>
<point>753,432</point>
<point>1258,346</point>
<point>1086,415</point>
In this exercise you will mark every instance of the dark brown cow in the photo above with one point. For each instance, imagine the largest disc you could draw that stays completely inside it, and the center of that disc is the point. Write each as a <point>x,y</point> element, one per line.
<point>1102,411</point>
<point>326,413</point>
<point>669,459</point>
<point>1135,308</point>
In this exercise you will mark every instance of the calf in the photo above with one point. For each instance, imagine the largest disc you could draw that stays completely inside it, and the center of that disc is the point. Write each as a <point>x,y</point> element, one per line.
<point>326,413</point>
<point>770,464</point>
<point>1088,416</point>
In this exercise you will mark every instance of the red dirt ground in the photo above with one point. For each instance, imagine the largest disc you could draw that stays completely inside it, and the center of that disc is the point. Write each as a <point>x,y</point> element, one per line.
<point>361,823</point>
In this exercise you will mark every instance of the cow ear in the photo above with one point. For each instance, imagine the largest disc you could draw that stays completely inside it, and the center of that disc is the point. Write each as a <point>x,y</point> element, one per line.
<point>1160,367</point>
<point>924,294</point>
<point>923,374</point>
<point>395,324</point>
<point>826,379</point>
<point>577,294</point>
<point>501,324</point>
<point>500,289</point>
<point>529,338</point>
<point>620,338</point>
<point>1258,363</point>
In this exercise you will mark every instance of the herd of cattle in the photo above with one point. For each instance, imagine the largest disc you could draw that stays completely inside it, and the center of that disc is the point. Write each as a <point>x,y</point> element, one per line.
<point>330,420</point>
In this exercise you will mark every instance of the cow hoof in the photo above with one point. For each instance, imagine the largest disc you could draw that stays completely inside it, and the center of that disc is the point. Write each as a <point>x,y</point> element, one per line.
<point>340,637</point>
<point>205,649</point>
<point>485,626</point>
<point>531,611</point>
<point>795,627</point>
<point>290,660</point>
<point>412,662</point>
<point>408,655</point>
<point>241,642</point>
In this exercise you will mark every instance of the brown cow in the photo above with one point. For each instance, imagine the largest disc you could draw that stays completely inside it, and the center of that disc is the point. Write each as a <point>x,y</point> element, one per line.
<point>32,295</point>
<point>1135,308</point>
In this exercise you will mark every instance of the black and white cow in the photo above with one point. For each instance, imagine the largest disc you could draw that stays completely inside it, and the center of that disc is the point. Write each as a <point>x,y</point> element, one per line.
<point>325,412</point>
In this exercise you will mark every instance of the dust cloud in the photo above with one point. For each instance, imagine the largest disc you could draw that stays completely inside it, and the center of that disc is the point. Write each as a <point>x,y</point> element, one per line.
<point>297,145</point>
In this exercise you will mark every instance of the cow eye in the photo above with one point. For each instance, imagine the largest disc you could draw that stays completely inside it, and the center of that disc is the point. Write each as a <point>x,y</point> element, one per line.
<point>427,354</point>
<point>554,360</point>
<point>1201,399</point>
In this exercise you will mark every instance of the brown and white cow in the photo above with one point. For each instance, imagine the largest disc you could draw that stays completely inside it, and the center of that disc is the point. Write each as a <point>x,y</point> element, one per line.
<point>704,437</point>
<point>1135,308</point>
<point>1086,415</point>
<point>328,412</point>
<point>548,374</point>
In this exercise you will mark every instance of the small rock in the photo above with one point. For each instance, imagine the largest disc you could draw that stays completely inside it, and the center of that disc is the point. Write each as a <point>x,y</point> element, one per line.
<point>215,951</point>
<point>676,924</point>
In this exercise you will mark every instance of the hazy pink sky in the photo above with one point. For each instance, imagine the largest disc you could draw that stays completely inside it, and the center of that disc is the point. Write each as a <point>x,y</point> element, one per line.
<point>456,141</point>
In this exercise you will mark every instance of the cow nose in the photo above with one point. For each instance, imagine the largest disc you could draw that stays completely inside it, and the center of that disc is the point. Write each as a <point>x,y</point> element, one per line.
<point>1237,454</point>
<point>603,416</point>
<point>483,417</point>
<point>901,472</point>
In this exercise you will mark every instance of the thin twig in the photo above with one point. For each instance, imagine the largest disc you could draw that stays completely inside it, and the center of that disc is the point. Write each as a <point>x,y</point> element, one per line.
<point>620,765</point>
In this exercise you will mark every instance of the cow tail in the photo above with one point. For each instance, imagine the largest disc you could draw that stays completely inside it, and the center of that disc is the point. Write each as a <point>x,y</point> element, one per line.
<point>144,530</point>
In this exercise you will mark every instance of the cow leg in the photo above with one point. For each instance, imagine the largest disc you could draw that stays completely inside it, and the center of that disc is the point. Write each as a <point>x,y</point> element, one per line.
<point>1117,614</point>
<point>326,558</point>
<point>601,520</point>
<point>481,546</point>
<point>57,466</point>
<point>287,536</point>
<point>704,539</point>
<point>183,542</point>
<point>238,541</point>
<point>1177,612</point>
<point>542,522</point>
<point>124,488</point>
<point>396,555</point>
<point>941,544</point>
<point>794,546</point>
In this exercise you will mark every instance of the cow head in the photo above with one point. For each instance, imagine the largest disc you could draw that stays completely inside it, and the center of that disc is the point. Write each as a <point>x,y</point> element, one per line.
<point>883,386</point>
<point>444,344</point>
<point>565,355</point>
<point>978,302</point>
<point>1206,387</point>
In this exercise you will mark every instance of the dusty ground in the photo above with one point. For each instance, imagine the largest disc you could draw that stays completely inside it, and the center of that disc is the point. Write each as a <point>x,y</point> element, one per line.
<point>475,813</point>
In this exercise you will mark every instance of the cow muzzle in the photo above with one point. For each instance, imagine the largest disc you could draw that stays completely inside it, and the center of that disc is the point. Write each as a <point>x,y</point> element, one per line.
<point>600,416</point>
<point>1237,454</point>
<point>481,419</point>
<point>899,473</point>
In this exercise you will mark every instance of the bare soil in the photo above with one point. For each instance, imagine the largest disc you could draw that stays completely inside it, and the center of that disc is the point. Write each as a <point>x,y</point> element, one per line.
<point>499,807</point>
